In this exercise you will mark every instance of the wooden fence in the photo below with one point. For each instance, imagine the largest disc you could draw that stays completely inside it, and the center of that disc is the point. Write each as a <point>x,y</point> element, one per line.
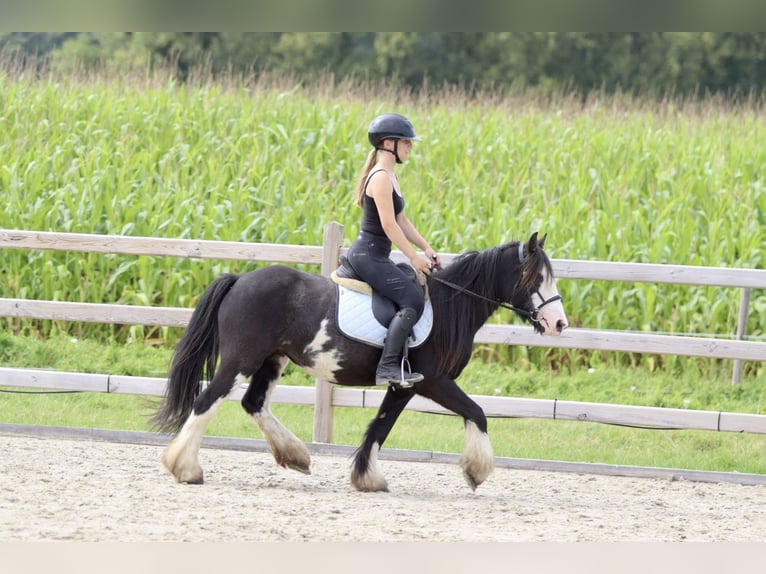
<point>325,397</point>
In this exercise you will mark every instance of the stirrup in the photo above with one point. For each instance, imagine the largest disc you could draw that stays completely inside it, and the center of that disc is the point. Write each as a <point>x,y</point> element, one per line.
<point>405,380</point>
<point>407,383</point>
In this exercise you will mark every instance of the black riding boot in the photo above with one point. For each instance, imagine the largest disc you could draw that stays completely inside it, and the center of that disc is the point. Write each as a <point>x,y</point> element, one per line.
<point>390,368</point>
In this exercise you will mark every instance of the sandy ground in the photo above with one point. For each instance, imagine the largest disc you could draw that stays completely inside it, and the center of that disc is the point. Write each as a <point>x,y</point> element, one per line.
<point>96,491</point>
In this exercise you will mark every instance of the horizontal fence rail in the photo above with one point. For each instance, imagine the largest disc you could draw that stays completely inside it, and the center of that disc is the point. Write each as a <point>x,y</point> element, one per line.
<point>190,248</point>
<point>325,396</point>
<point>654,273</point>
<point>286,253</point>
<point>496,407</point>
<point>599,339</point>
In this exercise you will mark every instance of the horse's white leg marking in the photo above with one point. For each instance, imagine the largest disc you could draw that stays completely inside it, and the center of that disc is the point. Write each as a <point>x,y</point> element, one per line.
<point>288,450</point>
<point>181,457</point>
<point>477,460</point>
<point>324,363</point>
<point>373,480</point>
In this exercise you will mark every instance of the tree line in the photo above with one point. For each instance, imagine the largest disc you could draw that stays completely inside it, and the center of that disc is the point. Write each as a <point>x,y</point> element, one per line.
<point>653,64</point>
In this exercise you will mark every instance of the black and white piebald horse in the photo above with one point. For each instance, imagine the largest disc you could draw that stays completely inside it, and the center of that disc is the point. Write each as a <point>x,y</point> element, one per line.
<point>258,321</point>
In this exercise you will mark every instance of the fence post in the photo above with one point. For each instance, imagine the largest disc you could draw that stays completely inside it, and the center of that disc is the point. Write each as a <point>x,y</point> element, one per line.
<point>744,308</point>
<point>323,409</point>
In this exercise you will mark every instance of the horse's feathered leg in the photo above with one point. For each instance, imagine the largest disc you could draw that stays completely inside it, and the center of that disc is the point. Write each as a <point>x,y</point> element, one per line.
<point>365,475</point>
<point>478,459</point>
<point>186,406</point>
<point>181,457</point>
<point>288,450</point>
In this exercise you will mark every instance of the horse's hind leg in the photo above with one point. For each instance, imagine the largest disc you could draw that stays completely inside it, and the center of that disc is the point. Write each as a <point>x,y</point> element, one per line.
<point>181,457</point>
<point>288,450</point>
<point>365,475</point>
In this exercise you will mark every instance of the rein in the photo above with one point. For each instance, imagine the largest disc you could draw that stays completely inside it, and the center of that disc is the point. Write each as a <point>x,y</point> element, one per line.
<point>502,304</point>
<point>532,316</point>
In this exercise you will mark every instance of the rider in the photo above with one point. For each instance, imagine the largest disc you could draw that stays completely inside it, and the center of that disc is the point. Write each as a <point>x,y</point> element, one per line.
<point>383,223</point>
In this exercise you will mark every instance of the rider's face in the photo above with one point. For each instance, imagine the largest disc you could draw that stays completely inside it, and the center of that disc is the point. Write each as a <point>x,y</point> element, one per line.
<point>405,147</point>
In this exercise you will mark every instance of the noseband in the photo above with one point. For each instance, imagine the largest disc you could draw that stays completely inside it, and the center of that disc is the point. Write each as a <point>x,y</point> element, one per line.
<point>532,316</point>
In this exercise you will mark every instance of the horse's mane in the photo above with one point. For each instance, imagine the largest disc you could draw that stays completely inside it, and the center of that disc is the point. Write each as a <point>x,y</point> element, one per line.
<point>457,316</point>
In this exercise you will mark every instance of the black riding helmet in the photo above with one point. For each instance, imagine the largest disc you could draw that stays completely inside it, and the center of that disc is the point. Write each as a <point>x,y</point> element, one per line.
<point>390,126</point>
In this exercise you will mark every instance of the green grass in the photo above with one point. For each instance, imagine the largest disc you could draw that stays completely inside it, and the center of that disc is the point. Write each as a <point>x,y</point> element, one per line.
<point>526,438</point>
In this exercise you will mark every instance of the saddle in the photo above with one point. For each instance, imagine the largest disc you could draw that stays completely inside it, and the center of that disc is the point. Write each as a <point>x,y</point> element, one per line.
<point>364,315</point>
<point>383,308</point>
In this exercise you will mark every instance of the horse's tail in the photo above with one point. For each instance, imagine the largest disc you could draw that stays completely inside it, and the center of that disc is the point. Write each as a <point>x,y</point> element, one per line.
<point>194,358</point>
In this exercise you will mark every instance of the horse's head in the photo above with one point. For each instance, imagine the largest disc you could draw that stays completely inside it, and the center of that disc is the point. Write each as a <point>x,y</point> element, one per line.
<point>535,295</point>
<point>516,276</point>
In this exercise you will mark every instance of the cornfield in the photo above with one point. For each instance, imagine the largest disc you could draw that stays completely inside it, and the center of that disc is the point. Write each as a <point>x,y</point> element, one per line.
<point>273,160</point>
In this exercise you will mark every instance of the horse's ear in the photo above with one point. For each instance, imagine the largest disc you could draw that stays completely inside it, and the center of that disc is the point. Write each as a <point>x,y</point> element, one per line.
<point>532,243</point>
<point>541,243</point>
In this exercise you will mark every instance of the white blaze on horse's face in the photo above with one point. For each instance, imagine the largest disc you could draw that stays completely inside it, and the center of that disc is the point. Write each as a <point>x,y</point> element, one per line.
<point>551,315</point>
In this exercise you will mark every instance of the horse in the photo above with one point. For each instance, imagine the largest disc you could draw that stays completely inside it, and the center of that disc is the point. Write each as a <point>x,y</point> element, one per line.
<point>246,328</point>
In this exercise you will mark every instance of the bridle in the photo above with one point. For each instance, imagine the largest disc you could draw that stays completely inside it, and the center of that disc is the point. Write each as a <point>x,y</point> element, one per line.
<point>532,316</point>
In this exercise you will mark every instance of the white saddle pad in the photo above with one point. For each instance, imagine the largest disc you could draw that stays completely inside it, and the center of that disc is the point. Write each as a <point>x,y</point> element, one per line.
<point>356,320</point>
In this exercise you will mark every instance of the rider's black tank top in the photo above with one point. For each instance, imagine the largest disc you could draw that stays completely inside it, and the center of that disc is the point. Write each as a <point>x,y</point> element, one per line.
<point>370,216</point>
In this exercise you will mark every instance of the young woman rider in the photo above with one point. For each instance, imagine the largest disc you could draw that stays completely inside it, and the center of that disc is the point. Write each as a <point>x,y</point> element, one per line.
<point>384,223</point>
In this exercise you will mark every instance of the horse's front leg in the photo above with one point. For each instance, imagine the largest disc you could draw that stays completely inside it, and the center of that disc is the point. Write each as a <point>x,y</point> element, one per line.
<point>478,459</point>
<point>365,475</point>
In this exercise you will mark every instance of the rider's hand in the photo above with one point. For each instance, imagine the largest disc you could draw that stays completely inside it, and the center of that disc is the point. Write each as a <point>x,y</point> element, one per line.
<point>421,264</point>
<point>436,260</point>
